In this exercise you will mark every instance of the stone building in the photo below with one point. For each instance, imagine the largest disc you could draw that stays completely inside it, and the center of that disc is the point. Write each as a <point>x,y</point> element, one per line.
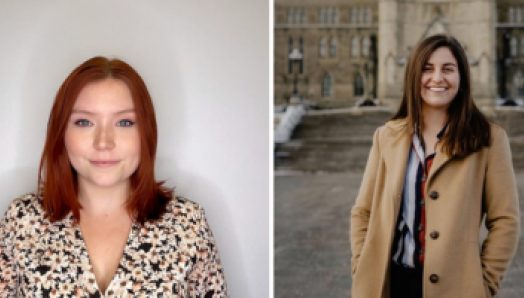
<point>357,49</point>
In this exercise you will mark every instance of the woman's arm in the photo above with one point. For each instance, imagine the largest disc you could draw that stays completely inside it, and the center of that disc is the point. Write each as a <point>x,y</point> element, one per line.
<point>361,210</point>
<point>502,212</point>
<point>8,271</point>
<point>207,278</point>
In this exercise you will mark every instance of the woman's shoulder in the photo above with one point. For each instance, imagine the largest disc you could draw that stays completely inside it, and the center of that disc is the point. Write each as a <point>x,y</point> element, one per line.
<point>23,213</point>
<point>496,129</point>
<point>396,124</point>
<point>183,207</point>
<point>30,203</point>
<point>392,128</point>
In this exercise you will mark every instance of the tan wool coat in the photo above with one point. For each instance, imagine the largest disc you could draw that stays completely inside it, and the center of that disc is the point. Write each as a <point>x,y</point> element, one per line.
<point>459,192</point>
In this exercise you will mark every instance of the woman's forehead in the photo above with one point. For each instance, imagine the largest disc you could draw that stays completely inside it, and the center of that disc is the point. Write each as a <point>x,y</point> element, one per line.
<point>442,55</point>
<point>105,96</point>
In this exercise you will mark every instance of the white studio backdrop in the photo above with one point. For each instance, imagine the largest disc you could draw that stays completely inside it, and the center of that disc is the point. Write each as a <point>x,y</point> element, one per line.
<point>206,64</point>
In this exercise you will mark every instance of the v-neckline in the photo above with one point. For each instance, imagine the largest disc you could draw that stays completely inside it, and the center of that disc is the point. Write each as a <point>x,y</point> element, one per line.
<point>117,272</point>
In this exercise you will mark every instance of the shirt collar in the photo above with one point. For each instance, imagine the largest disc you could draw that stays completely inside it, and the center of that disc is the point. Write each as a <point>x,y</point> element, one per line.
<point>440,134</point>
<point>420,146</point>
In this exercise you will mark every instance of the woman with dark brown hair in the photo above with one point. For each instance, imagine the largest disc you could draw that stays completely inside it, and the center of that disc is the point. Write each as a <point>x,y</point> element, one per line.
<point>436,168</point>
<point>99,224</point>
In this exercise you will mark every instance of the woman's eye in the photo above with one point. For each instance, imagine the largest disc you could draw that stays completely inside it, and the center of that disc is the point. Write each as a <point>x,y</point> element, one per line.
<point>125,123</point>
<point>82,122</point>
<point>427,68</point>
<point>448,69</point>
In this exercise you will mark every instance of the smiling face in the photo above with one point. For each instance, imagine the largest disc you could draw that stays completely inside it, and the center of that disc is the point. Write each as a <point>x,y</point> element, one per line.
<point>102,139</point>
<point>440,79</point>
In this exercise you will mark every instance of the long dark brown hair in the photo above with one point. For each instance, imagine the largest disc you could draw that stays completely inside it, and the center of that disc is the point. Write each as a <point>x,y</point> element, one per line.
<point>468,130</point>
<point>57,179</point>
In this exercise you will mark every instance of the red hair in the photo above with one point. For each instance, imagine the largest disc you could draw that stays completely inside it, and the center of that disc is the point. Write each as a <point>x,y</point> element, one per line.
<point>57,178</point>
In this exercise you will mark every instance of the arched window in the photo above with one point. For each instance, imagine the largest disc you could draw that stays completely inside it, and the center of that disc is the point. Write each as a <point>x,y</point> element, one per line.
<point>359,15</point>
<point>328,15</point>
<point>301,48</point>
<point>511,15</point>
<point>303,16</point>
<point>367,15</point>
<point>335,15</point>
<point>290,67</point>
<point>322,47</point>
<point>354,46</point>
<point>321,15</point>
<point>289,15</point>
<point>518,15</point>
<point>365,46</point>
<point>297,16</point>
<point>513,46</point>
<point>327,85</point>
<point>333,47</point>
<point>358,86</point>
<point>353,16</point>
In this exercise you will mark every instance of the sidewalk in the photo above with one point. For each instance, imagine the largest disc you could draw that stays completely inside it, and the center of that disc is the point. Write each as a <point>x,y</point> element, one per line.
<point>312,251</point>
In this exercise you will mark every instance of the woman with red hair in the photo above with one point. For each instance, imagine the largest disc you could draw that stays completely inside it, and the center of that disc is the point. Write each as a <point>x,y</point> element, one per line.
<point>100,225</point>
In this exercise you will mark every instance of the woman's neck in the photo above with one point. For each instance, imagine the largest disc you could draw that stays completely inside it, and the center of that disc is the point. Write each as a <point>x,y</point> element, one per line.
<point>101,202</point>
<point>433,120</point>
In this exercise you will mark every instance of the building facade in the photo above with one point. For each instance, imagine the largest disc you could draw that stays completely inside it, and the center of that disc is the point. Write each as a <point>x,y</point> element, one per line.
<point>354,50</point>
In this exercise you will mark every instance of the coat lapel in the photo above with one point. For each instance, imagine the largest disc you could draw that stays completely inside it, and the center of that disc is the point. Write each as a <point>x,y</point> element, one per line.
<point>441,158</point>
<point>396,155</point>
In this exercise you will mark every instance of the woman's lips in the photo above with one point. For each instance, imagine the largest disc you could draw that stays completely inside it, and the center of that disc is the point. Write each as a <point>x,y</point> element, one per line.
<point>103,164</point>
<point>437,89</point>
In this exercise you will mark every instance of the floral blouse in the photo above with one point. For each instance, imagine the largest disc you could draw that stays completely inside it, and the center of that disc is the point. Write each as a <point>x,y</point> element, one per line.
<point>173,257</point>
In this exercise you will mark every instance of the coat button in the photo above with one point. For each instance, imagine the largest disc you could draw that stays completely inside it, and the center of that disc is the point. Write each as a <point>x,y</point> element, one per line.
<point>433,278</point>
<point>433,195</point>
<point>434,234</point>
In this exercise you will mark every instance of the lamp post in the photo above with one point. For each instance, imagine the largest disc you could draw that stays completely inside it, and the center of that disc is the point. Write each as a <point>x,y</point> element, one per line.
<point>295,56</point>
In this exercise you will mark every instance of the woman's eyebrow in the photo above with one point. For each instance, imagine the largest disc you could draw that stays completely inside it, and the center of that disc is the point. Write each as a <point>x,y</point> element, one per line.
<point>445,64</point>
<point>92,113</point>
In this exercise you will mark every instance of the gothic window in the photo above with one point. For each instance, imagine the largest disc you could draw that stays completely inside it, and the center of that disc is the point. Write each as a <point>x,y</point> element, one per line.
<point>358,85</point>
<point>359,14</point>
<point>321,15</point>
<point>367,15</point>
<point>322,47</point>
<point>289,15</point>
<point>303,16</point>
<point>353,16</point>
<point>328,15</point>
<point>333,47</point>
<point>297,16</point>
<point>354,46</point>
<point>513,46</point>
<point>301,48</point>
<point>327,86</point>
<point>365,46</point>
<point>511,15</point>
<point>290,50</point>
<point>335,15</point>
<point>518,15</point>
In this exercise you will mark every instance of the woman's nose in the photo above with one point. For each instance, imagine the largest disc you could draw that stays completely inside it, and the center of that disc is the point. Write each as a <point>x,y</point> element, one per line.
<point>104,138</point>
<point>437,76</point>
